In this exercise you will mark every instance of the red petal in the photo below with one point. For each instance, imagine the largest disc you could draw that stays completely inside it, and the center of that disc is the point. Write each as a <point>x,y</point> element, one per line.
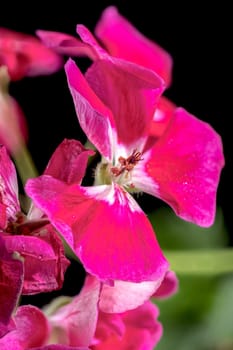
<point>44,259</point>
<point>11,282</point>
<point>69,161</point>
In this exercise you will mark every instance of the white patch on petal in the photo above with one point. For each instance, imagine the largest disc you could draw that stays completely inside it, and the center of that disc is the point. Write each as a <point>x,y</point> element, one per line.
<point>126,150</point>
<point>113,141</point>
<point>124,295</point>
<point>111,194</point>
<point>98,192</point>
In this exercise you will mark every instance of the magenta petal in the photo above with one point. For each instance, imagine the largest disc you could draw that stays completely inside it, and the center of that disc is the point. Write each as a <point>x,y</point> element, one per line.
<point>11,282</point>
<point>75,323</point>
<point>69,161</point>
<point>109,327</point>
<point>131,92</point>
<point>9,187</point>
<point>44,259</point>
<point>32,330</point>
<point>163,114</point>
<point>185,166</point>
<point>143,326</point>
<point>123,40</point>
<point>32,326</point>
<point>168,287</point>
<point>65,44</point>
<point>125,247</point>
<point>25,55</point>
<point>124,296</point>
<point>161,119</point>
<point>89,40</point>
<point>94,117</point>
<point>134,329</point>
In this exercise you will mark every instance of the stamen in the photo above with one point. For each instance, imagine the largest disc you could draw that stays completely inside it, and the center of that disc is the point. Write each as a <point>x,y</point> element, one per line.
<point>127,164</point>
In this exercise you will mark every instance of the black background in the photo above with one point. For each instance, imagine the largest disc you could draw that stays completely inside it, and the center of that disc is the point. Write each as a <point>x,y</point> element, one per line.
<point>197,36</point>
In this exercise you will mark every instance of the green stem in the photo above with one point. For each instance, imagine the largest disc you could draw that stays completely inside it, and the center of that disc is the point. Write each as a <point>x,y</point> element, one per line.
<point>201,262</point>
<point>25,165</point>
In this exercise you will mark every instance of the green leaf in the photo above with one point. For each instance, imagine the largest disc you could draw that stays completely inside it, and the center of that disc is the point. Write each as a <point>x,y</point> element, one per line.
<point>201,262</point>
<point>200,316</point>
<point>218,326</point>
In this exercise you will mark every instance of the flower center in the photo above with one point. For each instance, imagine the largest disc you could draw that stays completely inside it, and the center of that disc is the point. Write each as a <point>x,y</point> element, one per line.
<point>121,173</point>
<point>127,164</point>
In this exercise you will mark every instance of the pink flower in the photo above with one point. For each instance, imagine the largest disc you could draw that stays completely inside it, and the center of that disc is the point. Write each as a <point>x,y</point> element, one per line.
<point>24,55</point>
<point>76,210</point>
<point>137,328</point>
<point>87,322</point>
<point>83,322</point>
<point>110,30</point>
<point>35,240</point>
<point>181,164</point>
<point>178,162</point>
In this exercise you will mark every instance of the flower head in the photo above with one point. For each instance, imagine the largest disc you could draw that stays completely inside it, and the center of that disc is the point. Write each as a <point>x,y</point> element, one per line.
<point>116,105</point>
